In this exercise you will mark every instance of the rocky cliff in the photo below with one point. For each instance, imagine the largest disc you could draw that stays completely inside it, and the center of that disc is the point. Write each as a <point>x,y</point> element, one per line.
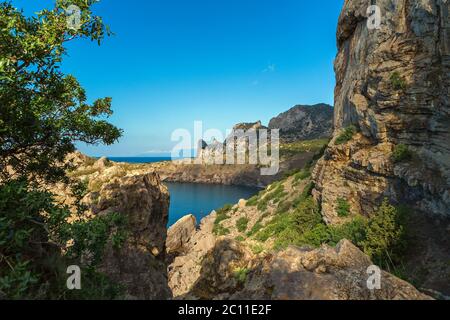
<point>138,263</point>
<point>392,110</point>
<point>304,123</point>
<point>229,257</point>
<point>390,140</point>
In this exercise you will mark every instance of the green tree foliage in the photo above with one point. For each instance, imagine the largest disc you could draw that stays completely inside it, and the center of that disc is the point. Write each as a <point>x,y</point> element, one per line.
<point>43,113</point>
<point>382,237</point>
<point>386,235</point>
<point>34,255</point>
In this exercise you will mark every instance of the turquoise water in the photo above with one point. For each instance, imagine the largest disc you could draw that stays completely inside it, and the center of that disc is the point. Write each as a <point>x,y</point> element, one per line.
<point>196,199</point>
<point>201,199</point>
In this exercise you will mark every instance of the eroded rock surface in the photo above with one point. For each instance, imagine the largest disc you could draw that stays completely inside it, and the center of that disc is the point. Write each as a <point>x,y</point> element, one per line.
<point>393,86</point>
<point>180,233</point>
<point>185,268</point>
<point>139,263</point>
<point>230,271</point>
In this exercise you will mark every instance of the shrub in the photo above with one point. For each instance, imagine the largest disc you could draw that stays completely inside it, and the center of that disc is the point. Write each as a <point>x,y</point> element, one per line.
<point>290,149</point>
<point>240,238</point>
<point>262,204</point>
<point>342,208</point>
<point>275,196</point>
<point>257,249</point>
<point>315,237</point>
<point>401,153</point>
<point>346,135</point>
<point>274,227</point>
<point>240,274</point>
<point>220,230</point>
<point>355,231</point>
<point>288,228</point>
<point>253,201</point>
<point>302,175</point>
<point>225,208</point>
<point>285,206</point>
<point>385,236</point>
<point>255,229</point>
<point>241,224</point>
<point>33,229</point>
<point>382,238</point>
<point>222,214</point>
<point>397,82</point>
<point>304,195</point>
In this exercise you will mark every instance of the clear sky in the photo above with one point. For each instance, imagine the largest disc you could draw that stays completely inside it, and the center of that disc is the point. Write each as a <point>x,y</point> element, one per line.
<point>172,62</point>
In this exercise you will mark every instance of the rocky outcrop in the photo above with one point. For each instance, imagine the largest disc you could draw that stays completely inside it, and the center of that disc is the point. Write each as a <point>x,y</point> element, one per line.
<point>244,175</point>
<point>138,264</point>
<point>223,260</point>
<point>180,233</point>
<point>137,259</point>
<point>185,268</point>
<point>393,87</point>
<point>304,123</point>
<point>230,271</point>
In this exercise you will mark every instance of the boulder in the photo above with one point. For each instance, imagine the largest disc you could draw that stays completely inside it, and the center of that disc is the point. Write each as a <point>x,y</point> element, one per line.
<point>230,271</point>
<point>139,263</point>
<point>180,233</point>
<point>185,269</point>
<point>101,163</point>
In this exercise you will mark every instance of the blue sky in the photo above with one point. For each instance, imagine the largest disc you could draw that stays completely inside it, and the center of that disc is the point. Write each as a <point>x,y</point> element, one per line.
<point>172,62</point>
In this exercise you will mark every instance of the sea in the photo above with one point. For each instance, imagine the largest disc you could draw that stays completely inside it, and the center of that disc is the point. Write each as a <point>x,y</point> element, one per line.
<point>194,198</point>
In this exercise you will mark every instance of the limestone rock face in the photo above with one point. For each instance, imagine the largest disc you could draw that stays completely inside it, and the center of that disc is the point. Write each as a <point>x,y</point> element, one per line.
<point>185,268</point>
<point>295,274</point>
<point>180,233</point>
<point>393,85</point>
<point>139,263</point>
<point>304,123</point>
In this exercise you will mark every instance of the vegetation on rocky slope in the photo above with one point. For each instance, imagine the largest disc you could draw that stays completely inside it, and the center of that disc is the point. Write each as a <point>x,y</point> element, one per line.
<point>346,135</point>
<point>296,147</point>
<point>286,214</point>
<point>43,113</point>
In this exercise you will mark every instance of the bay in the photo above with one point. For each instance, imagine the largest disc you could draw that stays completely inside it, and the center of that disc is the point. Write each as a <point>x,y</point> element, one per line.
<point>192,198</point>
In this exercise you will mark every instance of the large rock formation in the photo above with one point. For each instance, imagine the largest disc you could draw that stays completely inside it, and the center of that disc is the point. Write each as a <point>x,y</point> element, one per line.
<point>139,263</point>
<point>393,87</point>
<point>230,271</point>
<point>180,233</point>
<point>137,259</point>
<point>186,267</point>
<point>304,123</point>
